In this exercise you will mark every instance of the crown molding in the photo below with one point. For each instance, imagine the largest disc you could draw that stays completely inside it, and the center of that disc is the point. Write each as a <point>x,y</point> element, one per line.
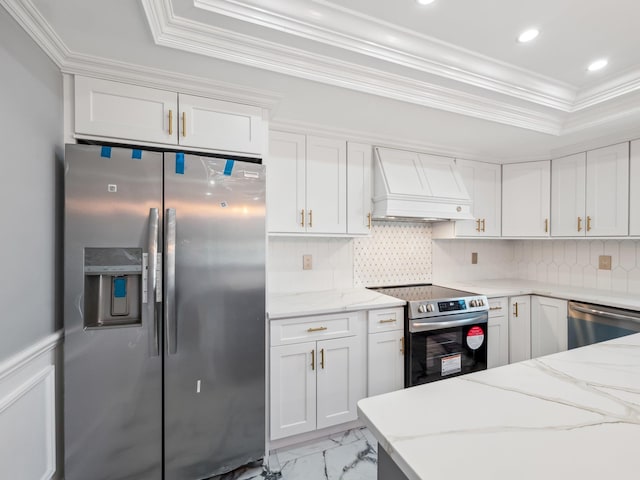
<point>608,90</point>
<point>29,18</point>
<point>340,27</point>
<point>169,30</point>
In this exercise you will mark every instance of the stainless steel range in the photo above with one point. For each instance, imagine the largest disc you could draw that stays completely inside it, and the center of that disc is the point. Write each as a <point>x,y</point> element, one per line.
<point>445,332</point>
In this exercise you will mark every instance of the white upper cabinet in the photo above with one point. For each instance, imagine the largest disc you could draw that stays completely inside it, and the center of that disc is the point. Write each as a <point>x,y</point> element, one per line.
<point>483,182</point>
<point>526,189</point>
<point>120,111</point>
<point>326,185</point>
<point>568,183</point>
<point>286,178</point>
<point>590,193</point>
<point>359,168</point>
<point>306,184</point>
<point>607,204</point>
<point>634,193</point>
<point>214,124</point>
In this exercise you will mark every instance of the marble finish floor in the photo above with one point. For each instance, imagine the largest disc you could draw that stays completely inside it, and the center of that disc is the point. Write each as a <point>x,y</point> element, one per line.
<point>351,455</point>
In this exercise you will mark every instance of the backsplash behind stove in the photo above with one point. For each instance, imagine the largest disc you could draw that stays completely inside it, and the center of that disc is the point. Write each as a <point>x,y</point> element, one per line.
<point>396,253</point>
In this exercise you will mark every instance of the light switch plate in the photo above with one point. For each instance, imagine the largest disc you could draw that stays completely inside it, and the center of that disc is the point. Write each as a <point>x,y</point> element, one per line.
<point>306,262</point>
<point>604,262</point>
<point>474,258</point>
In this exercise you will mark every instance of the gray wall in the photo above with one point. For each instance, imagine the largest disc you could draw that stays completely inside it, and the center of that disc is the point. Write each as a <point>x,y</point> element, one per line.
<point>31,193</point>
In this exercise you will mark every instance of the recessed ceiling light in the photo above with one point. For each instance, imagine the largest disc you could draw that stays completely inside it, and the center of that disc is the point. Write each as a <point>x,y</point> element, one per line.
<point>425,2</point>
<point>528,35</point>
<point>598,64</point>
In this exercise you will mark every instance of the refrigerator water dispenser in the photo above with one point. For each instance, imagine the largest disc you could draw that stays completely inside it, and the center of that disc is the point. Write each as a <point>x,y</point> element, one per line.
<point>112,287</point>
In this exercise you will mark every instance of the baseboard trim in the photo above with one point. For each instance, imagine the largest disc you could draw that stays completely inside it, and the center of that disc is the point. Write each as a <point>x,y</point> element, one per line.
<point>22,358</point>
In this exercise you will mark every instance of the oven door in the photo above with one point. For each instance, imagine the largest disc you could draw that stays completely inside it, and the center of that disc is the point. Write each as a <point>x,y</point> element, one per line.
<point>444,347</point>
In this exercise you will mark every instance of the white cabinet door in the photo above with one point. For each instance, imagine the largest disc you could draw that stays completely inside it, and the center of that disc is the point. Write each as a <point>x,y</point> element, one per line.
<point>526,191</point>
<point>219,125</point>
<point>483,182</point>
<point>498,341</point>
<point>568,183</point>
<point>340,374</point>
<point>634,193</point>
<point>607,206</point>
<point>326,185</point>
<point>293,389</point>
<point>386,362</point>
<point>548,326</point>
<point>519,328</point>
<point>286,174</point>
<point>359,166</point>
<point>122,111</point>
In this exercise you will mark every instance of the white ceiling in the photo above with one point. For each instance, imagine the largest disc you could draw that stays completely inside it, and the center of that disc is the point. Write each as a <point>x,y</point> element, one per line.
<point>454,66</point>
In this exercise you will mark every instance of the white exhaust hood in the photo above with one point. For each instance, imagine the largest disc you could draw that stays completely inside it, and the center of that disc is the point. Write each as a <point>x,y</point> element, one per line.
<point>418,187</point>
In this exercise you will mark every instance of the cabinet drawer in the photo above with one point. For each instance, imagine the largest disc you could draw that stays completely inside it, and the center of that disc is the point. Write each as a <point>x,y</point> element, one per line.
<point>498,307</point>
<point>386,320</point>
<point>320,327</point>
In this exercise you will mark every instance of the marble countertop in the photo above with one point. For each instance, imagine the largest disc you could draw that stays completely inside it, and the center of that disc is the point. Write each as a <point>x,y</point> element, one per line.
<point>513,287</point>
<point>571,415</point>
<point>328,301</point>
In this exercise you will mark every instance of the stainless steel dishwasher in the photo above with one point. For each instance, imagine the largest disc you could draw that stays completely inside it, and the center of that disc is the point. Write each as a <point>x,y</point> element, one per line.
<point>589,323</point>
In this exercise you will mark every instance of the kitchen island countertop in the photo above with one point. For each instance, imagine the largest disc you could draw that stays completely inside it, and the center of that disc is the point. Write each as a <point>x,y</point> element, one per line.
<point>574,414</point>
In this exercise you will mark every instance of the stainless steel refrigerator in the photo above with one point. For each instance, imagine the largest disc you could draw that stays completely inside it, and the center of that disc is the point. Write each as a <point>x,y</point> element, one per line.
<point>164,350</point>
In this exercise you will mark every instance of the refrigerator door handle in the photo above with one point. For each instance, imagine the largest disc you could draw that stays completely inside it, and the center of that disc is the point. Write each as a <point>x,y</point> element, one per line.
<point>152,259</point>
<point>170,281</point>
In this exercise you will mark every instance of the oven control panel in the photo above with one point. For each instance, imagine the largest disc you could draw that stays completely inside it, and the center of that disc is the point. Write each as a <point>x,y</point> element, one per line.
<point>448,306</point>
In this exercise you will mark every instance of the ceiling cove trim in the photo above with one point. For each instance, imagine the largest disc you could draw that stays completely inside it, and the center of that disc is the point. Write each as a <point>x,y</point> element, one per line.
<point>375,38</point>
<point>176,32</point>
<point>30,19</point>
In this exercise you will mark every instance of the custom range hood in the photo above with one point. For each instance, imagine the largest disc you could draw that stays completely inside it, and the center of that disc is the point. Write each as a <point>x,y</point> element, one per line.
<point>418,187</point>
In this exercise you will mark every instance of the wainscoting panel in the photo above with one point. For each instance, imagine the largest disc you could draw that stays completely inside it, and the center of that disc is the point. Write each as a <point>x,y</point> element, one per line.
<point>28,413</point>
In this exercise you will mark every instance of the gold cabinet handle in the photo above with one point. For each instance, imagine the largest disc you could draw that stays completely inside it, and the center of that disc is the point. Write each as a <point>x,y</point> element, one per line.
<point>302,218</point>
<point>369,219</point>
<point>316,329</point>
<point>322,358</point>
<point>478,225</point>
<point>579,224</point>
<point>310,218</point>
<point>184,124</point>
<point>495,308</point>
<point>546,225</point>
<point>388,320</point>
<point>588,224</point>
<point>483,224</point>
<point>170,122</point>
<point>313,359</point>
<point>402,345</point>
<point>515,312</point>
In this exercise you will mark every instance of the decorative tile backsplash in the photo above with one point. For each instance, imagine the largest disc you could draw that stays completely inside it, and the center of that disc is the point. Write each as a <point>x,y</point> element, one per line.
<point>452,259</point>
<point>396,253</point>
<point>575,263</point>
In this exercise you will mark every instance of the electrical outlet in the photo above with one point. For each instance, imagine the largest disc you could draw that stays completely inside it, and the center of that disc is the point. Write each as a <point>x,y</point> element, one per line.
<point>306,262</point>
<point>474,258</point>
<point>604,262</point>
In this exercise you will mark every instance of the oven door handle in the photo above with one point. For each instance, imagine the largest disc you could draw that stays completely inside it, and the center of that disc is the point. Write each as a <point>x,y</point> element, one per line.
<point>418,326</point>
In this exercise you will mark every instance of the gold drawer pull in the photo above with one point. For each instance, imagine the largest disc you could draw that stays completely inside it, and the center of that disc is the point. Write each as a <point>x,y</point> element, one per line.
<point>322,358</point>
<point>170,122</point>
<point>483,224</point>
<point>515,312</point>
<point>389,320</point>
<point>402,345</point>
<point>495,308</point>
<point>184,124</point>
<point>579,224</point>
<point>302,218</point>
<point>588,224</point>
<point>316,329</point>
<point>313,359</point>
<point>369,219</point>
<point>478,225</point>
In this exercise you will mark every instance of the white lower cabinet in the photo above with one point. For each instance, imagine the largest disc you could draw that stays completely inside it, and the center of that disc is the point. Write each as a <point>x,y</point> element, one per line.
<point>548,326</point>
<point>498,341</point>
<point>385,352</point>
<point>317,372</point>
<point>519,328</point>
